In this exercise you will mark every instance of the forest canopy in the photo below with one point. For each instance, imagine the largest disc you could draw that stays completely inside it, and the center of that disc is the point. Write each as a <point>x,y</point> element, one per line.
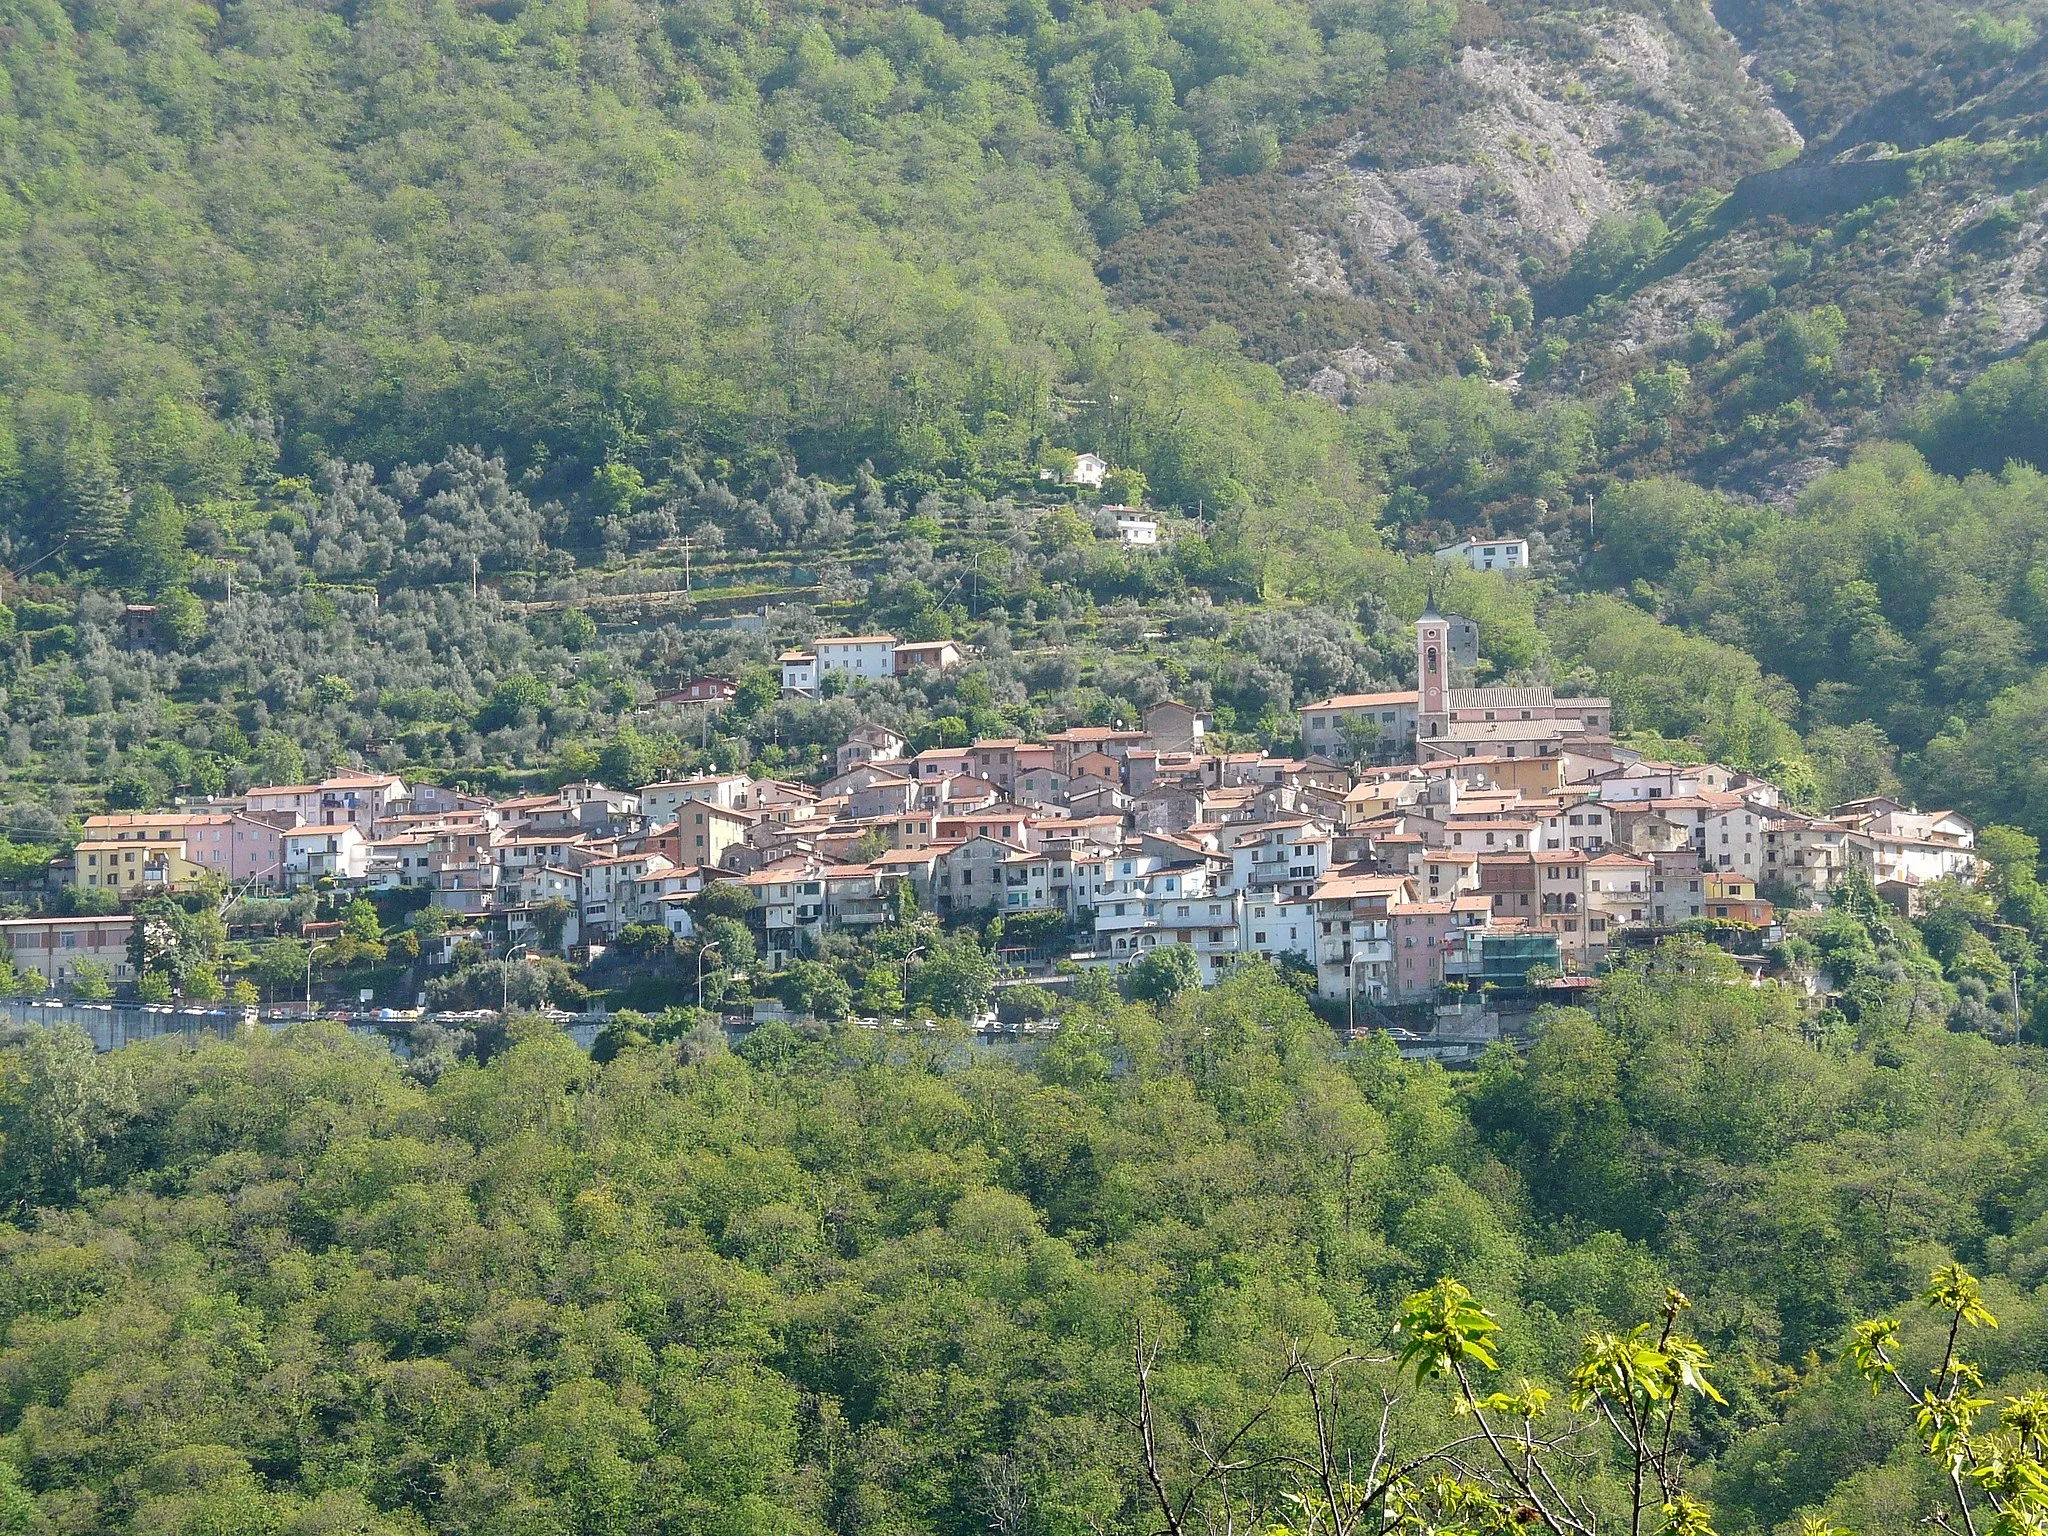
<point>258,236</point>
<point>841,1284</point>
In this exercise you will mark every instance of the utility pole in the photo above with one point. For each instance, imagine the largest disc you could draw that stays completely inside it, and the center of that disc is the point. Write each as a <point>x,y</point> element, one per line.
<point>686,568</point>
<point>472,576</point>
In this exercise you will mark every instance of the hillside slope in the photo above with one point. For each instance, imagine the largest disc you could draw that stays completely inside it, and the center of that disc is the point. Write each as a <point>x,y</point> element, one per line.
<point>1578,196</point>
<point>1400,238</point>
<point>647,230</point>
<point>1821,303</point>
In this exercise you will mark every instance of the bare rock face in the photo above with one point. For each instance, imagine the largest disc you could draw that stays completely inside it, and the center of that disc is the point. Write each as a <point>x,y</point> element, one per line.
<point>1575,198</point>
<point>1405,235</point>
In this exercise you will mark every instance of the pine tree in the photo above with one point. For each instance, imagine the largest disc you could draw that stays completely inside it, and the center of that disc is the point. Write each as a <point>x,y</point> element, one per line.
<point>97,502</point>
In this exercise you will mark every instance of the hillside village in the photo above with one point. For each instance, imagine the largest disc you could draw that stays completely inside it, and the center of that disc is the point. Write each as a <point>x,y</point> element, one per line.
<point>1428,842</point>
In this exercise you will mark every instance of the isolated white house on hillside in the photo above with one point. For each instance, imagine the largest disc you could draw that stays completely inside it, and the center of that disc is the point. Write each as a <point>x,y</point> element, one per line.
<point>1489,554</point>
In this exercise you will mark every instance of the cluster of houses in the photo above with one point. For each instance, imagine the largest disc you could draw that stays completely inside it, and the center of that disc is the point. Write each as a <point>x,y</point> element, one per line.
<point>1479,834</point>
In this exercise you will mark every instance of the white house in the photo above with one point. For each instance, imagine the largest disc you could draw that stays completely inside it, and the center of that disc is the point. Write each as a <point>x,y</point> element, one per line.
<point>1489,554</point>
<point>1089,470</point>
<point>675,914</point>
<point>799,671</point>
<point>1134,529</point>
<point>857,656</point>
<point>314,853</point>
<point>1271,927</point>
<point>1293,854</point>
<point>404,859</point>
<point>611,889</point>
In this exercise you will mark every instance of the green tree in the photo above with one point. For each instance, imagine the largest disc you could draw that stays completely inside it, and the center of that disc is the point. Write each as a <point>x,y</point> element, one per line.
<point>1162,974</point>
<point>954,978</point>
<point>359,921</point>
<point>152,553</point>
<point>758,688</point>
<point>724,898</point>
<point>810,988</point>
<point>180,617</point>
<point>60,1107</point>
<point>514,701</point>
<point>332,691</point>
<point>91,981</point>
<point>881,993</point>
<point>734,939</point>
<point>97,502</point>
<point>279,967</point>
<point>279,759</point>
<point>17,1508</point>
<point>1125,486</point>
<point>629,759</point>
<point>551,922</point>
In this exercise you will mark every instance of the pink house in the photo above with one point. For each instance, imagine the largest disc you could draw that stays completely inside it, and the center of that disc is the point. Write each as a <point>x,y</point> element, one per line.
<point>236,845</point>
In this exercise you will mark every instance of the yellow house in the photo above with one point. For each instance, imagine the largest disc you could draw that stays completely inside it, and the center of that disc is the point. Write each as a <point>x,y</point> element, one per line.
<point>131,868</point>
<point>1732,896</point>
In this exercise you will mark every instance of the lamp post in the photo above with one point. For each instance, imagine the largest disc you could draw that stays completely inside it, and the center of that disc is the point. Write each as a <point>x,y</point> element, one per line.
<point>1351,986</point>
<point>311,951</point>
<point>505,979</point>
<point>906,976</point>
<point>702,951</point>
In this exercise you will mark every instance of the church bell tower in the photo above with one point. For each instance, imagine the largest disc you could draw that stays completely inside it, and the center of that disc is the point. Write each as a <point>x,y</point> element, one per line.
<point>1432,673</point>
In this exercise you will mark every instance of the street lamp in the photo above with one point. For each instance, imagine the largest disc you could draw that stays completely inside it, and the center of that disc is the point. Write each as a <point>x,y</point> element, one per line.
<point>906,976</point>
<point>505,979</point>
<point>702,951</point>
<point>311,951</point>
